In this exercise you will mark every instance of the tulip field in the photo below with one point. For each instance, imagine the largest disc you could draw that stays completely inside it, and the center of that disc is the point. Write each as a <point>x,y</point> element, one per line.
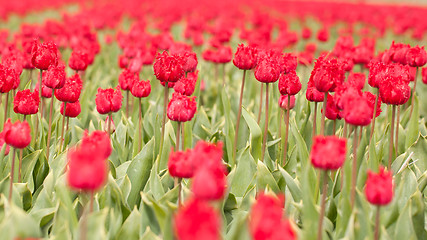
<point>234,120</point>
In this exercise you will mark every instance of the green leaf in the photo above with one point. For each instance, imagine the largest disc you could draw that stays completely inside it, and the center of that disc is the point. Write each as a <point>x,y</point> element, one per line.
<point>139,172</point>
<point>264,179</point>
<point>131,227</point>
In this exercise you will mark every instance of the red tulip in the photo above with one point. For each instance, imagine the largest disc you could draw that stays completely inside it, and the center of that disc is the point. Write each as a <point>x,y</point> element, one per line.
<point>197,220</point>
<point>306,33</point>
<point>18,134</point>
<point>424,75</point>
<point>108,100</point>
<point>357,80</point>
<point>379,187</point>
<point>371,100</point>
<point>180,164</point>
<point>266,220</point>
<point>209,182</point>
<point>186,85</point>
<point>72,109</point>
<point>327,74</point>
<point>267,69</point>
<point>205,153</point>
<point>416,56</point>
<point>328,153</point>
<point>87,170</point>
<point>46,91</point>
<point>2,142</point>
<point>289,63</point>
<point>289,83</point>
<point>394,91</point>
<point>78,60</point>
<point>312,94</point>
<point>44,55</point>
<point>71,90</point>
<point>126,79</point>
<point>98,142</point>
<point>323,35</point>
<point>181,108</point>
<point>55,76</point>
<point>7,78</point>
<point>168,68</point>
<point>245,57</point>
<point>141,89</point>
<point>189,61</point>
<point>332,111</point>
<point>26,102</point>
<point>283,102</point>
<point>358,111</point>
<point>376,73</point>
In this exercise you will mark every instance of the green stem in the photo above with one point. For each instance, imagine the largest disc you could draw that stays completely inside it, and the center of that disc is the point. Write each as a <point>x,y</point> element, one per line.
<point>12,171</point>
<point>239,115</point>
<point>50,124</point>
<point>264,141</point>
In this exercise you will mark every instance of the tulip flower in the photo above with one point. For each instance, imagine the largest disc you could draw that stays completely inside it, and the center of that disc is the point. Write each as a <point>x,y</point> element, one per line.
<point>108,101</point>
<point>379,192</point>
<point>289,85</point>
<point>126,81</point>
<point>415,57</point>
<point>17,135</point>
<point>210,182</point>
<point>168,69</point>
<point>327,153</point>
<point>180,164</point>
<point>181,109</point>
<point>141,89</point>
<point>26,103</point>
<point>313,95</point>
<point>79,60</point>
<point>186,85</point>
<point>71,110</point>
<point>245,58</point>
<point>266,219</point>
<point>196,219</point>
<point>7,79</point>
<point>267,71</point>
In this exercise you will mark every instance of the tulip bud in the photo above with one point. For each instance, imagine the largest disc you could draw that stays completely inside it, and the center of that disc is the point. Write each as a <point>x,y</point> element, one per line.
<point>26,102</point>
<point>112,127</point>
<point>379,187</point>
<point>18,134</point>
<point>181,108</point>
<point>328,153</point>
